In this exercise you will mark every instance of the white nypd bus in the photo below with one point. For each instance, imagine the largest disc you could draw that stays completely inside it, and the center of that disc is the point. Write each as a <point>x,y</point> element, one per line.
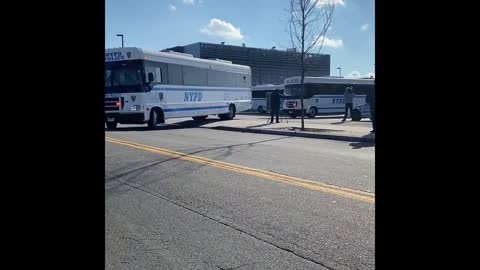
<point>261,96</point>
<point>324,95</point>
<point>149,87</point>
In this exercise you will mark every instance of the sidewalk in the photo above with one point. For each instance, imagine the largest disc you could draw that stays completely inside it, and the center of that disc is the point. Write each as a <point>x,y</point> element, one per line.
<point>320,127</point>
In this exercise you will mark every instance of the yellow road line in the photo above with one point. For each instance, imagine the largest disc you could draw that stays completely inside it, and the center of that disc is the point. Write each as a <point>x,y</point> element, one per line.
<point>295,181</point>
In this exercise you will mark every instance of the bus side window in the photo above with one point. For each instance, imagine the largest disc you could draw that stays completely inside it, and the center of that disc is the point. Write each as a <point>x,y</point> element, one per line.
<point>194,76</point>
<point>340,89</point>
<point>158,75</point>
<point>150,77</point>
<point>175,75</point>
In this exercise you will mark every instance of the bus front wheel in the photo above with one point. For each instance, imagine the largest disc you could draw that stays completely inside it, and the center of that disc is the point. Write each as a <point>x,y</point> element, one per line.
<point>230,115</point>
<point>293,115</point>
<point>312,112</point>
<point>111,125</point>
<point>156,117</point>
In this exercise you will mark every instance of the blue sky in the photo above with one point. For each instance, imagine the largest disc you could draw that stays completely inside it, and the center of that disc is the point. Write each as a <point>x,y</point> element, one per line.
<point>159,24</point>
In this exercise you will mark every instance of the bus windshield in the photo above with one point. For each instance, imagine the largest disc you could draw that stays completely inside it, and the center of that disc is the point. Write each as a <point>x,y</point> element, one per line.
<point>124,77</point>
<point>293,90</point>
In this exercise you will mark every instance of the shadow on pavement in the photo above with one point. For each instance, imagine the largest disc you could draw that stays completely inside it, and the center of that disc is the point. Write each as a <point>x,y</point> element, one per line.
<point>349,121</point>
<point>178,125</point>
<point>358,145</point>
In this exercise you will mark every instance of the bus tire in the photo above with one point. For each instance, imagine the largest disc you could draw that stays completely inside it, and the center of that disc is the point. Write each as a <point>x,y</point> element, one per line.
<point>230,115</point>
<point>356,115</point>
<point>261,109</point>
<point>156,117</point>
<point>234,110</point>
<point>293,115</point>
<point>312,112</point>
<point>111,125</point>
<point>200,118</point>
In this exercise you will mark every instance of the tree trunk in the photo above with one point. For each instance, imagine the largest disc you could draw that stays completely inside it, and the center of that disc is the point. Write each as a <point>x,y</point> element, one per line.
<point>303,66</point>
<point>302,94</point>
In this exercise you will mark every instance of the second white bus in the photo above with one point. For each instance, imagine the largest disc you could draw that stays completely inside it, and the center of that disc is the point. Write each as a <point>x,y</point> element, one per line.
<point>261,96</point>
<point>323,95</point>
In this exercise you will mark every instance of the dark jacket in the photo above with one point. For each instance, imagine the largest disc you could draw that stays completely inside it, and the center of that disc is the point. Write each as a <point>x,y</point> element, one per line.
<point>275,100</point>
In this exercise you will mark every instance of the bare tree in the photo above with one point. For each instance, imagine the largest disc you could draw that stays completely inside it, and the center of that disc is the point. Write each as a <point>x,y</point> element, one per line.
<point>308,23</point>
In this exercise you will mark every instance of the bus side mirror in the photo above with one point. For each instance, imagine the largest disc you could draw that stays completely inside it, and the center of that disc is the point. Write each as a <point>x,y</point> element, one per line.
<point>150,77</point>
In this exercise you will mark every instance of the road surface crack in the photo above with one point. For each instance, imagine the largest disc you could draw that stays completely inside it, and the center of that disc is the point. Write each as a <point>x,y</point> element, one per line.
<point>236,267</point>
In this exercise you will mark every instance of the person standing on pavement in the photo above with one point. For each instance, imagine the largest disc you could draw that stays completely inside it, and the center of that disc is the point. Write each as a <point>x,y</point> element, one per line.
<point>348,99</point>
<point>275,104</point>
<point>370,99</point>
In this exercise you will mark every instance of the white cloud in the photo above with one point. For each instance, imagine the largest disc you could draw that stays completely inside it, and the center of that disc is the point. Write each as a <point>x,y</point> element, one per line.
<point>333,43</point>
<point>354,74</point>
<point>333,2</point>
<point>172,7</point>
<point>189,2</point>
<point>222,29</point>
<point>364,27</point>
<point>357,74</point>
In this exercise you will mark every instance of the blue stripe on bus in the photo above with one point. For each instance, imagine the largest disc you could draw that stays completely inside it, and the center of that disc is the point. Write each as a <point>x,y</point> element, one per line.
<point>200,90</point>
<point>195,108</point>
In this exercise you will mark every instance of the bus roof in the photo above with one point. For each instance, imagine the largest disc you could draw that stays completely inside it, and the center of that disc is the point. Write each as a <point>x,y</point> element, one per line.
<point>259,87</point>
<point>132,53</point>
<point>328,80</point>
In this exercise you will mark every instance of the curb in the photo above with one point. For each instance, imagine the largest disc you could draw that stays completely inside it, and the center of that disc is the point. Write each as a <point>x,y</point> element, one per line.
<point>318,116</point>
<point>297,134</point>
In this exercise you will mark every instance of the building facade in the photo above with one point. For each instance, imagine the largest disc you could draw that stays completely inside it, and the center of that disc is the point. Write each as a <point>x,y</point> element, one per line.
<point>269,66</point>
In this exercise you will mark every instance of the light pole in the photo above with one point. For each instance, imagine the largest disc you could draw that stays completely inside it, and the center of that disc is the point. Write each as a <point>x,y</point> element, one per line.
<point>120,35</point>
<point>340,70</point>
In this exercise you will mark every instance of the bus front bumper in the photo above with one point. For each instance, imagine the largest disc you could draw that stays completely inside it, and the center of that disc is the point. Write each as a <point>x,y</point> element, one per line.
<point>125,118</point>
<point>294,111</point>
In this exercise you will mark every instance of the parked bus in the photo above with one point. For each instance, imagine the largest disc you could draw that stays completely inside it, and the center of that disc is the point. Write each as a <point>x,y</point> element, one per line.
<point>261,96</point>
<point>324,95</point>
<point>148,87</point>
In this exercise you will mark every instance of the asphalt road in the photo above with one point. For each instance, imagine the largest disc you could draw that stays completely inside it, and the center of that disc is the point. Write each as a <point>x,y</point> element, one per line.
<point>214,202</point>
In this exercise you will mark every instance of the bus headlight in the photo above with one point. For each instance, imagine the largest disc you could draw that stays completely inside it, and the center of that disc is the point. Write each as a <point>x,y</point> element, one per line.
<point>135,108</point>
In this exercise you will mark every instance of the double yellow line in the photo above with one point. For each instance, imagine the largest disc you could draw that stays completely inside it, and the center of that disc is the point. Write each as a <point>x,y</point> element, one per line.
<point>308,184</point>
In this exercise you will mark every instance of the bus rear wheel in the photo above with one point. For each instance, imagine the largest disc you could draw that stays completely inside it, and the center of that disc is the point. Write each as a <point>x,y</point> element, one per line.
<point>230,115</point>
<point>293,115</point>
<point>261,109</point>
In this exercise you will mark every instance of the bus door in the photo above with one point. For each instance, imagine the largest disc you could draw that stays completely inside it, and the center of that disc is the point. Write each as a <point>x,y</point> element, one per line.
<point>269,106</point>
